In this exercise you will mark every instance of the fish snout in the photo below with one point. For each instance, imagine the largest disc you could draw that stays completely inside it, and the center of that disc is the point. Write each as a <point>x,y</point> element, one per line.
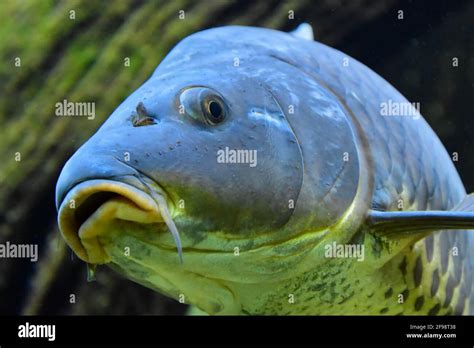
<point>84,165</point>
<point>94,191</point>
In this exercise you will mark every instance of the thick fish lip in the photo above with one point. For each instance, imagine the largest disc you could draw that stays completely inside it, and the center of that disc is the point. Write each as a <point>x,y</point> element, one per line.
<point>89,201</point>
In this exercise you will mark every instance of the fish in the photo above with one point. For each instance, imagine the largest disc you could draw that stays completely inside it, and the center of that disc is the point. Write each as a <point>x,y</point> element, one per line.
<point>260,172</point>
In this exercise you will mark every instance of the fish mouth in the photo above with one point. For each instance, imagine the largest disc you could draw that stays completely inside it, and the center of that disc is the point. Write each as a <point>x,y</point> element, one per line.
<point>88,208</point>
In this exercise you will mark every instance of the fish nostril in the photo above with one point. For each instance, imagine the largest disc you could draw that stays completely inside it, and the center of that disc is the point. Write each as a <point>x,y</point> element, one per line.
<point>140,122</point>
<point>142,117</point>
<point>141,110</point>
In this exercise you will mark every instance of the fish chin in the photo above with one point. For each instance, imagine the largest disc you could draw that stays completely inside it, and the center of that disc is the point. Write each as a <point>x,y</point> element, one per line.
<point>93,210</point>
<point>159,269</point>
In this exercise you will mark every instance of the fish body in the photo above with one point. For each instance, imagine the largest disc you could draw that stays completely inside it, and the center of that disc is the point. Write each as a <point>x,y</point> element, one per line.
<point>276,158</point>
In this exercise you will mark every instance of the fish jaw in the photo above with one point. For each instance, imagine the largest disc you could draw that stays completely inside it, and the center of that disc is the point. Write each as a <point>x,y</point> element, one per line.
<point>89,208</point>
<point>91,217</point>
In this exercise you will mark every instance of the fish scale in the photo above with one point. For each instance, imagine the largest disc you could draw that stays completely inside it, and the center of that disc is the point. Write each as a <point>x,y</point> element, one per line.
<point>431,191</point>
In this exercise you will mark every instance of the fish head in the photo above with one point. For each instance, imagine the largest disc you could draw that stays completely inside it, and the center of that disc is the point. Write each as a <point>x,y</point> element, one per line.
<point>201,148</point>
<point>206,150</point>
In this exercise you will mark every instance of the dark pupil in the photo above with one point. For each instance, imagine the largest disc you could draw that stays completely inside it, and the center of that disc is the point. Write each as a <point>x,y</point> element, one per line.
<point>215,109</point>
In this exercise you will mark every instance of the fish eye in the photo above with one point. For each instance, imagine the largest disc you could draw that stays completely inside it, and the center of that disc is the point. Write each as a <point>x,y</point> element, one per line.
<point>214,111</point>
<point>203,104</point>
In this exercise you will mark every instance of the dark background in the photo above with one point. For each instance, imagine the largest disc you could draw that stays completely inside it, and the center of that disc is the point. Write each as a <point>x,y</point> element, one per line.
<point>82,60</point>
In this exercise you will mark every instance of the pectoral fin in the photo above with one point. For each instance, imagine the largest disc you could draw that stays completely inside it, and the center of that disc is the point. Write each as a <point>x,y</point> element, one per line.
<point>404,223</point>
